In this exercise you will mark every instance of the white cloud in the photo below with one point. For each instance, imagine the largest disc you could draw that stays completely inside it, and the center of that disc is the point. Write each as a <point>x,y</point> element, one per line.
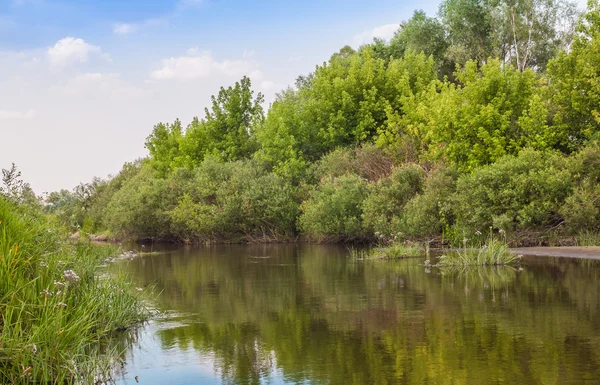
<point>124,28</point>
<point>70,50</point>
<point>203,65</point>
<point>192,51</point>
<point>383,32</point>
<point>9,114</point>
<point>248,53</point>
<point>129,28</point>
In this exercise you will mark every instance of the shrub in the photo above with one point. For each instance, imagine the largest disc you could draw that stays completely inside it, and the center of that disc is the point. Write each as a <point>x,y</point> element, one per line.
<point>517,193</point>
<point>139,208</point>
<point>236,200</point>
<point>367,161</point>
<point>427,214</point>
<point>581,211</point>
<point>385,204</point>
<point>334,209</point>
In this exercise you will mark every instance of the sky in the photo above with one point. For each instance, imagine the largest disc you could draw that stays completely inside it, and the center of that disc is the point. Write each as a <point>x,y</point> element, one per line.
<point>82,83</point>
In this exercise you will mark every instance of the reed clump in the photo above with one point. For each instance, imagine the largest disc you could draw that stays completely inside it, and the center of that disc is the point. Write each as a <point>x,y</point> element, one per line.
<point>391,247</point>
<point>491,251</point>
<point>56,311</point>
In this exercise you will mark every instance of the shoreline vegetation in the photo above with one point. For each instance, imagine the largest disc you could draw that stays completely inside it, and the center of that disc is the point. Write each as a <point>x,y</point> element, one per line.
<point>434,138</point>
<point>57,309</point>
<point>460,122</point>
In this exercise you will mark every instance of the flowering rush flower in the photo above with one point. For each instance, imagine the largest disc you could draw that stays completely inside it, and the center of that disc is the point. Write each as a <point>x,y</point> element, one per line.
<point>70,275</point>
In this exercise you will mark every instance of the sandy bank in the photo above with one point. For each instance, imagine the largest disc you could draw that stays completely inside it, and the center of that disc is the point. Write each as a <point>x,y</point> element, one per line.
<point>589,252</point>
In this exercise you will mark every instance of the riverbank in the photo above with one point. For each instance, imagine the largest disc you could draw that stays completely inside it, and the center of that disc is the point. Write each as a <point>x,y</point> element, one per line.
<point>585,252</point>
<point>57,309</point>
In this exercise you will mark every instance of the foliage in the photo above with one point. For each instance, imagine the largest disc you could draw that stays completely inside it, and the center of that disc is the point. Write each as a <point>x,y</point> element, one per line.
<point>15,189</point>
<point>462,96</point>
<point>138,208</point>
<point>475,123</point>
<point>227,131</point>
<point>574,88</point>
<point>516,193</point>
<point>55,312</point>
<point>397,250</point>
<point>241,199</point>
<point>429,213</point>
<point>345,105</point>
<point>334,209</point>
<point>367,161</point>
<point>493,252</point>
<point>382,210</point>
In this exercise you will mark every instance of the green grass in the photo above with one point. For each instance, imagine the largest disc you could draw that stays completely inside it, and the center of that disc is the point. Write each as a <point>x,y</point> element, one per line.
<point>391,251</point>
<point>588,238</point>
<point>494,252</point>
<point>56,310</point>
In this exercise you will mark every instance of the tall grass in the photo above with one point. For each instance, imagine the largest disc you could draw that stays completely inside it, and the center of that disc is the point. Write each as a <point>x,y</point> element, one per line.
<point>390,249</point>
<point>56,311</point>
<point>587,238</point>
<point>493,252</point>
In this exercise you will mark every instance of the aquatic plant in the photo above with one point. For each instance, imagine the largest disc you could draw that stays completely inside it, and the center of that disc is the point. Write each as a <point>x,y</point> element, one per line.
<point>493,251</point>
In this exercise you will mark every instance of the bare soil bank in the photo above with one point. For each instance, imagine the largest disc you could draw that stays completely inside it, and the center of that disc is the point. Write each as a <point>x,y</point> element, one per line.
<point>589,252</point>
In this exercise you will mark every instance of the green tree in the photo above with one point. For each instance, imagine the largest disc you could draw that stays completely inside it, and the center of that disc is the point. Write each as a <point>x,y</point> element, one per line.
<point>528,33</point>
<point>16,189</point>
<point>469,26</point>
<point>422,34</point>
<point>164,147</point>
<point>231,122</point>
<point>574,88</point>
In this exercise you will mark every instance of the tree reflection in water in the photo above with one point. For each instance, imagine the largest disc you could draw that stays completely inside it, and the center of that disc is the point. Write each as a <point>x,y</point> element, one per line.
<point>316,316</point>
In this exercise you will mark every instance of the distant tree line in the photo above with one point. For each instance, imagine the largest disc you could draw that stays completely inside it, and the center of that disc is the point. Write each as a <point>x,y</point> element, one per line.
<point>486,115</point>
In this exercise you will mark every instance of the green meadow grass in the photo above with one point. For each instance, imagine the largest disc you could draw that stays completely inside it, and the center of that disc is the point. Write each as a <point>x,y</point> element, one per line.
<point>56,311</point>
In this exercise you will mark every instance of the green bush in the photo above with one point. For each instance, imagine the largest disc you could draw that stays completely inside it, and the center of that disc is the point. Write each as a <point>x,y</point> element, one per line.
<point>236,200</point>
<point>517,193</point>
<point>368,161</point>
<point>581,210</point>
<point>139,208</point>
<point>334,210</point>
<point>388,197</point>
<point>428,213</point>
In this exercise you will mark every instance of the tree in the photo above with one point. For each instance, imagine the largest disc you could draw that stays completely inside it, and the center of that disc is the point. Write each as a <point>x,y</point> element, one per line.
<point>420,34</point>
<point>15,189</point>
<point>528,33</point>
<point>164,146</point>
<point>574,88</point>
<point>231,122</point>
<point>469,26</point>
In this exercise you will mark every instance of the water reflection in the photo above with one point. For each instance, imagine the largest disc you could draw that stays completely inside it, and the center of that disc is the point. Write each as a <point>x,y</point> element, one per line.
<point>309,314</point>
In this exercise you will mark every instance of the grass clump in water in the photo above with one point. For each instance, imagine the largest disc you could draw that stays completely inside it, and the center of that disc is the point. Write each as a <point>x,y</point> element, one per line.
<point>56,311</point>
<point>397,250</point>
<point>493,252</point>
<point>390,248</point>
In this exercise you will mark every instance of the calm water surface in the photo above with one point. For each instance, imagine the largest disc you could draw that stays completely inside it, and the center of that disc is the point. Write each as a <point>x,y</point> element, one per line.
<point>309,314</point>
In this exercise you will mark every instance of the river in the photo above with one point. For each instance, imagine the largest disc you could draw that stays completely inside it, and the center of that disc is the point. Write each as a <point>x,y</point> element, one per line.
<point>309,314</point>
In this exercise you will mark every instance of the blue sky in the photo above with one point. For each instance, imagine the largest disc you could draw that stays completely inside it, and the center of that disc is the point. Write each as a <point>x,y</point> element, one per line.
<point>83,82</point>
